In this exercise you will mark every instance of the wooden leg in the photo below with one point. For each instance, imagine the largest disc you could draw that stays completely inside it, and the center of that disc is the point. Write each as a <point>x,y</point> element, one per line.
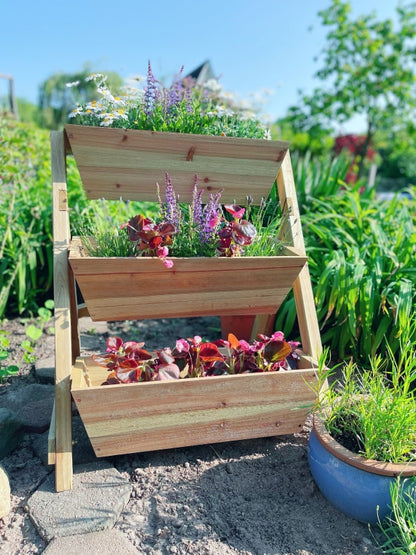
<point>63,330</point>
<point>63,403</point>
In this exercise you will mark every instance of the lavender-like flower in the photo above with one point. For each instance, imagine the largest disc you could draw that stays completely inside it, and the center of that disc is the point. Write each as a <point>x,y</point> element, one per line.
<point>150,94</point>
<point>172,209</point>
<point>174,94</point>
<point>161,203</point>
<point>196,207</point>
<point>211,217</point>
<point>188,97</point>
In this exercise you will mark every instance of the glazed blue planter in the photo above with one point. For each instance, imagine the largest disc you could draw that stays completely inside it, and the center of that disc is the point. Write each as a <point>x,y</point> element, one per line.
<point>357,486</point>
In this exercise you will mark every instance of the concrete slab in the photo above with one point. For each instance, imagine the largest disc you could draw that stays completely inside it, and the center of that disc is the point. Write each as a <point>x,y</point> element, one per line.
<point>96,501</point>
<point>107,542</point>
<point>45,370</point>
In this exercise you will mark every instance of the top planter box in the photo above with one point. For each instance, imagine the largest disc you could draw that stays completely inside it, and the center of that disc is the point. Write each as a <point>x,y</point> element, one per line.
<point>116,163</point>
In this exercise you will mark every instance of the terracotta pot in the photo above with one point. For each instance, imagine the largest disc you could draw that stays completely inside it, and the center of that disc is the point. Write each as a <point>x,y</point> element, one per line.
<point>239,325</point>
<point>357,486</point>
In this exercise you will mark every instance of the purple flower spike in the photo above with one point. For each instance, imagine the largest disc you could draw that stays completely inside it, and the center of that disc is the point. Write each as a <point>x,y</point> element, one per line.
<point>150,94</point>
<point>175,93</point>
<point>172,211</point>
<point>197,205</point>
<point>212,215</point>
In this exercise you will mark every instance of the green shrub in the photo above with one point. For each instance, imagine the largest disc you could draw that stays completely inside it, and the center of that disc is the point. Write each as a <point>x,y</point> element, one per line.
<point>26,262</point>
<point>319,177</point>
<point>361,258</point>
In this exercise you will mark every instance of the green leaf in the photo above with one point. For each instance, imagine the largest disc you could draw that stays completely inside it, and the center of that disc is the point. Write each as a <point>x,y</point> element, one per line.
<point>33,332</point>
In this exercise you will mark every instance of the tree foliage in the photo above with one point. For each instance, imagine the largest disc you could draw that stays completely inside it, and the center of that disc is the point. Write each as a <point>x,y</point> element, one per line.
<point>367,70</point>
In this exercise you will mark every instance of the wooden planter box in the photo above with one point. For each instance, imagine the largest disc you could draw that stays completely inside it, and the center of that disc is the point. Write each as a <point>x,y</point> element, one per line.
<point>128,418</point>
<point>116,163</point>
<point>131,418</point>
<point>131,288</point>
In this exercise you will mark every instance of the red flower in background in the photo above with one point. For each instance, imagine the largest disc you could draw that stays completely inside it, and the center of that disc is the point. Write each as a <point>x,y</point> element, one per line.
<point>354,144</point>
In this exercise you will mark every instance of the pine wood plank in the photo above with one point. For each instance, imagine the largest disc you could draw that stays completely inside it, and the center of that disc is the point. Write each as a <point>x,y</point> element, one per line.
<point>302,287</point>
<point>63,354</point>
<point>129,288</point>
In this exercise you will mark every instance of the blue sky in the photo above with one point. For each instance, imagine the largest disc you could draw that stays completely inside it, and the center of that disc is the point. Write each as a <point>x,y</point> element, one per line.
<point>252,44</point>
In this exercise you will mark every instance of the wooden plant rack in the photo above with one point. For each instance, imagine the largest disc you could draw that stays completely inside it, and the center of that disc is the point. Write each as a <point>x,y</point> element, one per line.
<point>130,418</point>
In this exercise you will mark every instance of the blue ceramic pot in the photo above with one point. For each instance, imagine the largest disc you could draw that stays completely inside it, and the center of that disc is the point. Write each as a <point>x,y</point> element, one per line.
<point>357,486</point>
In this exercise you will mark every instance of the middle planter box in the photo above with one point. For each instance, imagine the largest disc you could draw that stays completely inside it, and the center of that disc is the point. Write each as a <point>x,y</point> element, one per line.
<point>139,288</point>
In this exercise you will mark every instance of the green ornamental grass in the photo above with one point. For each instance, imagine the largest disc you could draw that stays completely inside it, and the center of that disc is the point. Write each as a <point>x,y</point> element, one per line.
<point>399,530</point>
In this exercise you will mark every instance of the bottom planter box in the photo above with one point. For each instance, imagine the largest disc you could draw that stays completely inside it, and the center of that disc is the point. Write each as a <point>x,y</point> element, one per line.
<point>147,416</point>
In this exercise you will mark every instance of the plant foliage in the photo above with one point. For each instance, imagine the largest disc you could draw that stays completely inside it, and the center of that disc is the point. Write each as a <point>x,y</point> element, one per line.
<point>373,411</point>
<point>128,362</point>
<point>185,107</point>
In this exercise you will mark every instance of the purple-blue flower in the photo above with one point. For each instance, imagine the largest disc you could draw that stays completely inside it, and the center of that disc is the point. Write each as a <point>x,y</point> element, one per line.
<point>172,209</point>
<point>150,94</point>
<point>197,206</point>
<point>211,217</point>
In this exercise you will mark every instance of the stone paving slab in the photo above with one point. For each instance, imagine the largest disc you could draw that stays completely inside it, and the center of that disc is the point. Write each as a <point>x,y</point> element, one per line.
<point>96,501</point>
<point>107,542</point>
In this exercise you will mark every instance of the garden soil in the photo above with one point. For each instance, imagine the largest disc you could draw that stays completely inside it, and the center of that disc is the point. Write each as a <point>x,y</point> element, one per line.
<point>248,497</point>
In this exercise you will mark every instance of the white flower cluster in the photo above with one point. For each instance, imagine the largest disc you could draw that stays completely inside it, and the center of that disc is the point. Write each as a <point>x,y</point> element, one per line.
<point>110,108</point>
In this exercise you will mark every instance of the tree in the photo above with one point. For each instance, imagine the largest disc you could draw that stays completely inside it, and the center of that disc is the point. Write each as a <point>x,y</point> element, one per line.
<point>56,99</point>
<point>367,69</point>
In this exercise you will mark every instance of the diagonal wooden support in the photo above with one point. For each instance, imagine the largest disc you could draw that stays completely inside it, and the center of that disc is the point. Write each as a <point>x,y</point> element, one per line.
<point>302,288</point>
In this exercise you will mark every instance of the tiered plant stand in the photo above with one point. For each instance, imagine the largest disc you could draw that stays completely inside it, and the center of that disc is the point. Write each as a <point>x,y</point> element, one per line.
<point>129,418</point>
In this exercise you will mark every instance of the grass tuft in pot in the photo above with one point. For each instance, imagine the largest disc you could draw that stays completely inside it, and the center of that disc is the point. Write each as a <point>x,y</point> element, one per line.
<point>372,412</point>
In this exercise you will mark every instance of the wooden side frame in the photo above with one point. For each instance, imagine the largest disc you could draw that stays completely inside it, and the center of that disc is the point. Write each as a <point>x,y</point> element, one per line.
<point>60,439</point>
<point>67,312</point>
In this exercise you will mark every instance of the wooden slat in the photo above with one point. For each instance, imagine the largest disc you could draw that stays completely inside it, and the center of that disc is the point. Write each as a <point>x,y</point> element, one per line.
<point>84,264</point>
<point>116,163</point>
<point>302,288</point>
<point>63,353</point>
<point>185,305</point>
<point>126,419</point>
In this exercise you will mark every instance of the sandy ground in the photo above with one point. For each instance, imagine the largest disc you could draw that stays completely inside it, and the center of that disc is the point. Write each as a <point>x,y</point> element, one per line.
<point>248,497</point>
